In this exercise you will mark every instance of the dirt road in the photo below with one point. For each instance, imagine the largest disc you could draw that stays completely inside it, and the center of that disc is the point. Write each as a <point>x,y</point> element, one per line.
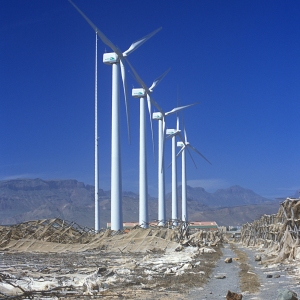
<point>247,276</point>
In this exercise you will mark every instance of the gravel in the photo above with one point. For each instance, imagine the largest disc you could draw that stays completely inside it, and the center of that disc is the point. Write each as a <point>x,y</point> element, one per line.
<point>271,286</point>
<point>217,288</point>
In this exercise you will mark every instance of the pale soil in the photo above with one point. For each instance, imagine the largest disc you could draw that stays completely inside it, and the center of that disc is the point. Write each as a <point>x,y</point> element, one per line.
<point>66,268</point>
<point>136,275</point>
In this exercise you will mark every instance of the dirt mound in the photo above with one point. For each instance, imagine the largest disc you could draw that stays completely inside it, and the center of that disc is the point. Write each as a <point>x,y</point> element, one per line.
<point>56,235</point>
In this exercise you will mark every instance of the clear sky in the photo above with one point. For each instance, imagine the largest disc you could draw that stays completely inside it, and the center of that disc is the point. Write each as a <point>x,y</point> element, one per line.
<point>240,59</point>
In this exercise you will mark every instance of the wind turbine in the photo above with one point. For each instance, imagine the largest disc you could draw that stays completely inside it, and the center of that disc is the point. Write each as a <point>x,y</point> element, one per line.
<point>186,145</point>
<point>172,133</point>
<point>161,116</point>
<point>143,188</point>
<point>116,59</point>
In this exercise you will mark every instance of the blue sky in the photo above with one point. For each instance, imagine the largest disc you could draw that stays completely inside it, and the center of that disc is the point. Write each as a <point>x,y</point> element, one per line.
<point>239,59</point>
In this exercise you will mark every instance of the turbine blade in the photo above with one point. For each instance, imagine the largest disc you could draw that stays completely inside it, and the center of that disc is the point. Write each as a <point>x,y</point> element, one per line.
<point>156,105</point>
<point>177,122</point>
<point>102,36</point>
<point>185,135</point>
<point>194,149</point>
<point>179,108</point>
<point>123,73</point>
<point>191,157</point>
<point>184,131</point>
<point>177,115</point>
<point>141,82</point>
<point>180,151</point>
<point>140,42</point>
<point>158,80</point>
<point>150,115</point>
<point>137,77</point>
<point>180,136</point>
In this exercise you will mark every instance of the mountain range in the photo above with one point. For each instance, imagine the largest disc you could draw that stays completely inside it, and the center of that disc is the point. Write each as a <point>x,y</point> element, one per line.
<point>30,199</point>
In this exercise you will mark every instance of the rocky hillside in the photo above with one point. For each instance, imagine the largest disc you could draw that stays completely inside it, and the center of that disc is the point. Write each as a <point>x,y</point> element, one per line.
<point>29,199</point>
<point>232,196</point>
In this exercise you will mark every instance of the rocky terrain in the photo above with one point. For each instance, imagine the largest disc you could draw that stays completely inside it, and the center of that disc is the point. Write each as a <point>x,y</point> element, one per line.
<point>32,199</point>
<point>56,259</point>
<point>53,259</point>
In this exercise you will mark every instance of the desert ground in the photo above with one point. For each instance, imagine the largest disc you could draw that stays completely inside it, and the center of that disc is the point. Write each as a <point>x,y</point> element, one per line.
<point>52,259</point>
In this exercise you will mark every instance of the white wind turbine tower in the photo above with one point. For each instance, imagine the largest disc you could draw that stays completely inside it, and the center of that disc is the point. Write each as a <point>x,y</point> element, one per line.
<point>143,185</point>
<point>186,145</point>
<point>115,59</point>
<point>160,116</point>
<point>172,133</point>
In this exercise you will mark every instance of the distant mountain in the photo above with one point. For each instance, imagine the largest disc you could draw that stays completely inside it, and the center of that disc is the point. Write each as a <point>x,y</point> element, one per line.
<point>28,199</point>
<point>233,196</point>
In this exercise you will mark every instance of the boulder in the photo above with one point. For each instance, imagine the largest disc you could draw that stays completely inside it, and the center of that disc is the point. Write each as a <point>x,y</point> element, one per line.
<point>228,260</point>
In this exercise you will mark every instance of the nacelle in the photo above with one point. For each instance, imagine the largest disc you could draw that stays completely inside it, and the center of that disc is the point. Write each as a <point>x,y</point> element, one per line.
<point>110,58</point>
<point>157,116</point>
<point>180,144</point>
<point>138,93</point>
<point>171,131</point>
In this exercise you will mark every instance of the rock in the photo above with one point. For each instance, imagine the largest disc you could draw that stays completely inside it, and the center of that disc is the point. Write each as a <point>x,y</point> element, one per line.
<point>233,296</point>
<point>257,258</point>
<point>276,276</point>
<point>228,260</point>
<point>287,295</point>
<point>220,276</point>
